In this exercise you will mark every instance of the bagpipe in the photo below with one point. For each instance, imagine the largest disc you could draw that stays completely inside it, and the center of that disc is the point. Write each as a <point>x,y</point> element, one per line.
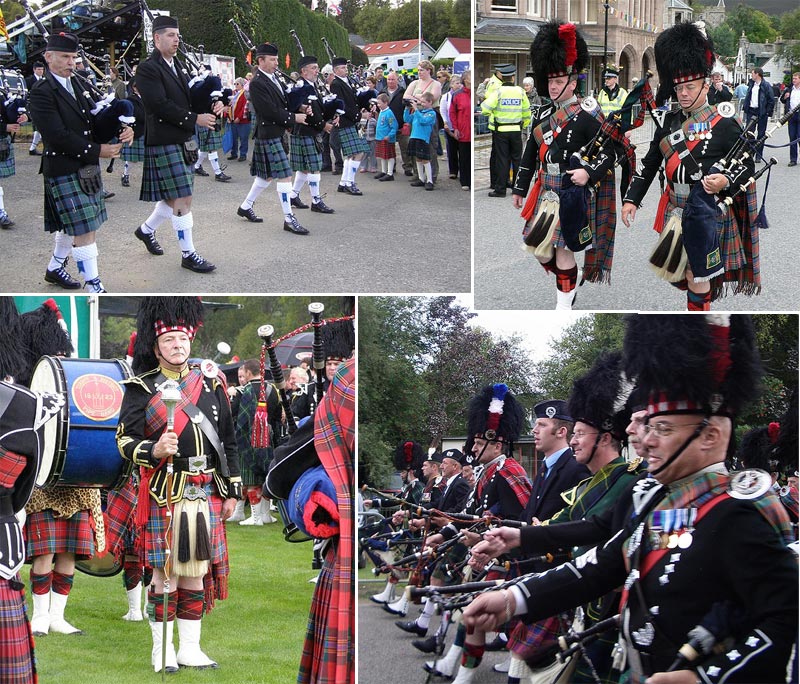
<point>364,95</point>
<point>304,92</point>
<point>249,48</point>
<point>14,94</point>
<point>303,491</point>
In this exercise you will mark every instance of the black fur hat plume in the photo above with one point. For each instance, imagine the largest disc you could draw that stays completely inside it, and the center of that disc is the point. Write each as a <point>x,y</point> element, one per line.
<point>156,316</point>
<point>409,456</point>
<point>495,413</point>
<point>45,334</point>
<point>683,52</point>
<point>600,396</point>
<point>13,357</point>
<point>557,50</point>
<point>693,363</point>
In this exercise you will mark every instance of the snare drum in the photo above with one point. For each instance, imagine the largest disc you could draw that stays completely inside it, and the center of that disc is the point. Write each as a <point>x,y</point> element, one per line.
<point>80,446</point>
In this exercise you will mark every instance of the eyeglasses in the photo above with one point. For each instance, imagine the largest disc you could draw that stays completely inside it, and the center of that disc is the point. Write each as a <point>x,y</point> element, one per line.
<point>580,434</point>
<point>689,88</point>
<point>666,429</point>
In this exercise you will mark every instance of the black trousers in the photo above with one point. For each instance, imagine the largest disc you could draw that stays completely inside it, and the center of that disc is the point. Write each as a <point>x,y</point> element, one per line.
<point>507,149</point>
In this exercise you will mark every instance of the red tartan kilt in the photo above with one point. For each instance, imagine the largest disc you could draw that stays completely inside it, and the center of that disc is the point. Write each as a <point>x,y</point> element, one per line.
<point>530,642</point>
<point>384,150</point>
<point>120,526</point>
<point>16,642</point>
<point>44,533</point>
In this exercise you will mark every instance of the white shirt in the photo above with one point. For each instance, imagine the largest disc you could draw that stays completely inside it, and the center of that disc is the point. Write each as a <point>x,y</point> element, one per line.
<point>65,83</point>
<point>754,96</point>
<point>794,98</point>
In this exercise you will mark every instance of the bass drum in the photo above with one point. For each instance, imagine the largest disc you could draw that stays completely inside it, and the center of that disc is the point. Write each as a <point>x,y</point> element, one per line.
<point>80,447</point>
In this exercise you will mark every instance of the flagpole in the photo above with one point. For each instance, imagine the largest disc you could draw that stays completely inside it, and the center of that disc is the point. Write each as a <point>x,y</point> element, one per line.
<point>419,46</point>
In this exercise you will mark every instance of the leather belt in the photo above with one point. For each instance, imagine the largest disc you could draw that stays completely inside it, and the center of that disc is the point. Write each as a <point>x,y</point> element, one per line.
<point>191,464</point>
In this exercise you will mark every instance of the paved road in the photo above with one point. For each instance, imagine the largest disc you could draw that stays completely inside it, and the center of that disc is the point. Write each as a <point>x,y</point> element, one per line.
<point>385,653</point>
<point>393,239</point>
<point>508,278</point>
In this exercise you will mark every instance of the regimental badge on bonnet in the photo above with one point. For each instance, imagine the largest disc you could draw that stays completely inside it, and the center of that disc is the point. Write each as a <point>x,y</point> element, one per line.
<point>550,411</point>
<point>749,484</point>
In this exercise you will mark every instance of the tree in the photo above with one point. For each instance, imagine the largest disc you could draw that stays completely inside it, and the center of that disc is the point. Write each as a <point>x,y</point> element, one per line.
<point>755,24</point>
<point>370,21</point>
<point>350,10</point>
<point>790,25</point>
<point>725,41</point>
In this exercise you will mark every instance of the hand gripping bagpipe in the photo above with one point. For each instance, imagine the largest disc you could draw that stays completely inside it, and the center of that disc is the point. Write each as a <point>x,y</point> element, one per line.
<point>304,493</point>
<point>111,115</point>
<point>303,92</point>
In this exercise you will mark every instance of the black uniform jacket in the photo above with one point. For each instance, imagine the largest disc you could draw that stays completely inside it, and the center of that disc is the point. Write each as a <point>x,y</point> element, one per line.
<point>165,95</point>
<point>269,102</point>
<point>454,497</point>
<point>352,112</point>
<point>546,498</point>
<point>735,555</point>
<point>66,125</point>
<point>134,446</point>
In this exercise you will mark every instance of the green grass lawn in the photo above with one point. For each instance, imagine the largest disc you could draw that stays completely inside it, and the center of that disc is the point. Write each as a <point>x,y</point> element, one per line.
<point>256,635</point>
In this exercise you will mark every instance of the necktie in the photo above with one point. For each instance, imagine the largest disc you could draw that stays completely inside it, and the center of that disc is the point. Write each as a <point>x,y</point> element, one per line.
<point>544,471</point>
<point>70,89</point>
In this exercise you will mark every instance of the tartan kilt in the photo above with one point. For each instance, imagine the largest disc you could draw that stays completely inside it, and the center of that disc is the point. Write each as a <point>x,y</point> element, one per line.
<point>304,155</point>
<point>8,167</point>
<point>269,159</point>
<point>135,151</point>
<point>165,174</point>
<point>322,648</point>
<point>121,534</point>
<point>530,642</point>
<point>598,258</point>
<point>154,545</point>
<point>384,150</point>
<point>352,142</point>
<point>419,149</point>
<point>16,645</point>
<point>68,208</point>
<point>208,140</point>
<point>453,556</point>
<point>44,533</point>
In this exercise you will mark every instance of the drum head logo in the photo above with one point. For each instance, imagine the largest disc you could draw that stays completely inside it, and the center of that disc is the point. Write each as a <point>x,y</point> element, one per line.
<point>96,396</point>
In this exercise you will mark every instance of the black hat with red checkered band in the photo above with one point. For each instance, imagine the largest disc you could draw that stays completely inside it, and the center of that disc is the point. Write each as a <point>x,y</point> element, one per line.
<point>684,53</point>
<point>158,316</point>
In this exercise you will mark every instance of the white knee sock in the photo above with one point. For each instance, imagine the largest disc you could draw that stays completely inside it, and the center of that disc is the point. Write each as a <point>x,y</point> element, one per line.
<point>125,168</point>
<point>313,186</point>
<point>300,179</point>
<point>37,138</point>
<point>161,212</point>
<point>390,163</point>
<point>201,157</point>
<point>421,171</point>
<point>183,231</point>
<point>2,206</point>
<point>428,172</point>
<point>213,157</point>
<point>284,188</point>
<point>427,612</point>
<point>345,173</point>
<point>61,250</point>
<point>258,186</point>
<point>86,258</point>
<point>354,164</point>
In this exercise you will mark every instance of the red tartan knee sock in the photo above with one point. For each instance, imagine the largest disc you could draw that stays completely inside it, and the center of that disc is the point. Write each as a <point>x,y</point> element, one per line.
<point>62,584</point>
<point>254,495</point>
<point>698,301</point>
<point>131,574</point>
<point>40,584</point>
<point>566,280</point>
<point>550,266</point>
<point>473,654</point>
<point>190,604</point>
<point>155,606</point>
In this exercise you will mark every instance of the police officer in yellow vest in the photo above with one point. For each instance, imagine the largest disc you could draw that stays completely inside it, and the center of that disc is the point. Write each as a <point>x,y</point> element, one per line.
<point>611,95</point>
<point>507,105</point>
<point>492,84</point>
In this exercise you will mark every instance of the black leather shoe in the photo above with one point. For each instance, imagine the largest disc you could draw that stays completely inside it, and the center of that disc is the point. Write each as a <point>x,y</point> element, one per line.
<point>5,222</point>
<point>435,672</point>
<point>222,177</point>
<point>200,171</point>
<point>378,176</point>
<point>194,262</point>
<point>408,172</point>
<point>297,203</point>
<point>34,153</point>
<point>386,178</point>
<point>417,184</point>
<point>353,190</point>
<point>291,225</point>
<point>792,164</point>
<point>108,195</point>
<point>428,645</point>
<point>242,158</point>
<point>321,208</point>
<point>411,627</point>
<point>150,241</point>
<point>126,181</point>
<point>342,188</point>
<point>494,193</point>
<point>497,644</point>
<point>59,276</point>
<point>429,186</point>
<point>232,157</point>
<point>249,214</point>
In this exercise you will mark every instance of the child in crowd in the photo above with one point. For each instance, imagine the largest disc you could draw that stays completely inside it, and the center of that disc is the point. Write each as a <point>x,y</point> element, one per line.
<point>368,165</point>
<point>422,118</point>
<point>385,137</point>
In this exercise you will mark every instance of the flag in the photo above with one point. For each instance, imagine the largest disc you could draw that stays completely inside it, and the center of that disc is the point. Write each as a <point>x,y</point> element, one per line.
<point>249,57</point>
<point>334,8</point>
<point>3,30</point>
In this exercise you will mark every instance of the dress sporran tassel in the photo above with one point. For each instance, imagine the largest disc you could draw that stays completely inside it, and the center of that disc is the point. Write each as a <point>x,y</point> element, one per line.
<point>259,438</point>
<point>203,538</point>
<point>184,554</point>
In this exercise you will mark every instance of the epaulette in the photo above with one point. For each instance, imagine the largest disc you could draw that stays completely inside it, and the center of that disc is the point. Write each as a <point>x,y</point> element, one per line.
<point>633,466</point>
<point>139,379</point>
<point>749,484</point>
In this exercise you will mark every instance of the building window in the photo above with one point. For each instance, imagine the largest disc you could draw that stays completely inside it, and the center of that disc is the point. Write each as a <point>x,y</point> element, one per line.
<point>575,10</point>
<point>591,11</point>
<point>678,17</point>
<point>535,8</point>
<point>504,6</point>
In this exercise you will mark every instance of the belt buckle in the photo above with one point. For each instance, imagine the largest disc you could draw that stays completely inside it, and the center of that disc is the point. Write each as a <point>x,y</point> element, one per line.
<point>553,169</point>
<point>196,464</point>
<point>193,493</point>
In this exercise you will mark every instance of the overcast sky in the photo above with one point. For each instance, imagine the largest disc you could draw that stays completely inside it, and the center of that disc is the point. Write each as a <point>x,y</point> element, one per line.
<point>537,328</point>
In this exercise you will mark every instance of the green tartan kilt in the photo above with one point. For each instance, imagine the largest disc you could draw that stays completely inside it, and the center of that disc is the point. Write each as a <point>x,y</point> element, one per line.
<point>68,208</point>
<point>135,151</point>
<point>352,142</point>
<point>208,140</point>
<point>269,159</point>
<point>165,174</point>
<point>304,155</point>
<point>8,167</point>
